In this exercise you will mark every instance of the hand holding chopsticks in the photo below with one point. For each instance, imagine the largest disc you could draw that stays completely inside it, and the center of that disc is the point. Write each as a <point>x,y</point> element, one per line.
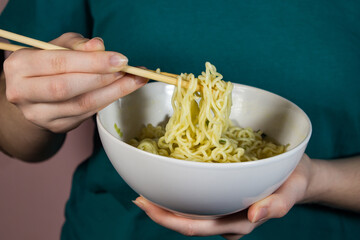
<point>57,90</point>
<point>162,77</point>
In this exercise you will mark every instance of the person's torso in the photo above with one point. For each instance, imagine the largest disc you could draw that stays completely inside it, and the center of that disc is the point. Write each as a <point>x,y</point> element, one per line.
<point>305,51</point>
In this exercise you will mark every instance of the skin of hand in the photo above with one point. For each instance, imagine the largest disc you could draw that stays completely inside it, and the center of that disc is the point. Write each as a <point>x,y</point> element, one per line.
<point>315,181</point>
<point>50,92</point>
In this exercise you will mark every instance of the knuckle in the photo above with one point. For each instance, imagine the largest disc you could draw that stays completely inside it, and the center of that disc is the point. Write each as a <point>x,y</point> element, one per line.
<point>85,104</point>
<point>104,79</point>
<point>283,207</point>
<point>66,39</point>
<point>11,63</point>
<point>58,89</point>
<point>69,35</point>
<point>189,230</point>
<point>101,79</point>
<point>74,41</point>
<point>13,95</point>
<point>56,126</point>
<point>8,65</point>
<point>58,63</point>
<point>31,115</point>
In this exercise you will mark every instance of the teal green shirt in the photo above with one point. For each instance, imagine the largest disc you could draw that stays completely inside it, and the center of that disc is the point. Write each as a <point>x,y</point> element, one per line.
<point>306,51</point>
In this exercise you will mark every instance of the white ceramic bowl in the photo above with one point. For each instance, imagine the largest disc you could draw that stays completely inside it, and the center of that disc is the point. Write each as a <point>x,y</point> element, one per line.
<point>198,189</point>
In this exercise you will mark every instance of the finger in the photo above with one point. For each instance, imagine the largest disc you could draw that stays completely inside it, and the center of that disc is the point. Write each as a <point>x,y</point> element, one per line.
<point>76,41</point>
<point>279,203</point>
<point>62,87</point>
<point>51,62</point>
<point>62,125</point>
<point>236,223</point>
<point>86,104</point>
<point>70,40</point>
<point>46,121</point>
<point>94,44</point>
<point>94,101</point>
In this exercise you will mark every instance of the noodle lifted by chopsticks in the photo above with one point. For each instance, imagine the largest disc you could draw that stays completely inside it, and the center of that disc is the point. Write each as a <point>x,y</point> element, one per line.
<point>200,128</point>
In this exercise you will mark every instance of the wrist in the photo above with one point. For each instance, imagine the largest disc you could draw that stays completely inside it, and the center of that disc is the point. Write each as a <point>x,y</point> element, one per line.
<point>319,181</point>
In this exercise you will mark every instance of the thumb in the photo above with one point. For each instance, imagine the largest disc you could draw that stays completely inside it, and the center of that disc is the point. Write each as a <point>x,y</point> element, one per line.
<point>76,41</point>
<point>279,203</point>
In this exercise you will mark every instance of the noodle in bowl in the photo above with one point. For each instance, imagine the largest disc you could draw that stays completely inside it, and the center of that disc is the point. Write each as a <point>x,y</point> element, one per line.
<point>203,189</point>
<point>200,128</point>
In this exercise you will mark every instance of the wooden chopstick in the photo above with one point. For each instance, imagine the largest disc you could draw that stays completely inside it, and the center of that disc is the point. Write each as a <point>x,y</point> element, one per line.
<point>10,47</point>
<point>128,69</point>
<point>168,78</point>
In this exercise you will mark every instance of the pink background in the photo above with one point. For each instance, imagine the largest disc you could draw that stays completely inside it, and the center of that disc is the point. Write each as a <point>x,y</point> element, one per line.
<point>33,196</point>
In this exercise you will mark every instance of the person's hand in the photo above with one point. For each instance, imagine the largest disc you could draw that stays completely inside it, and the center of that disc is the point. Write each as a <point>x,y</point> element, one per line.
<point>57,90</point>
<point>239,224</point>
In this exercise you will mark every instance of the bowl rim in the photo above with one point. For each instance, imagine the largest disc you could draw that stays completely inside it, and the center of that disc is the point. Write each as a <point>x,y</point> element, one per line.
<point>269,160</point>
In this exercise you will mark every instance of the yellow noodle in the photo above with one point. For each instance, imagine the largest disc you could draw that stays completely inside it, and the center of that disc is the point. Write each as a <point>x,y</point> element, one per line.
<point>200,128</point>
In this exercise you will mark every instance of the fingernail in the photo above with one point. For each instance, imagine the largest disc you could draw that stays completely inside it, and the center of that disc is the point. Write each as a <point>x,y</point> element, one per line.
<point>261,215</point>
<point>140,80</point>
<point>117,60</point>
<point>99,38</point>
<point>139,203</point>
